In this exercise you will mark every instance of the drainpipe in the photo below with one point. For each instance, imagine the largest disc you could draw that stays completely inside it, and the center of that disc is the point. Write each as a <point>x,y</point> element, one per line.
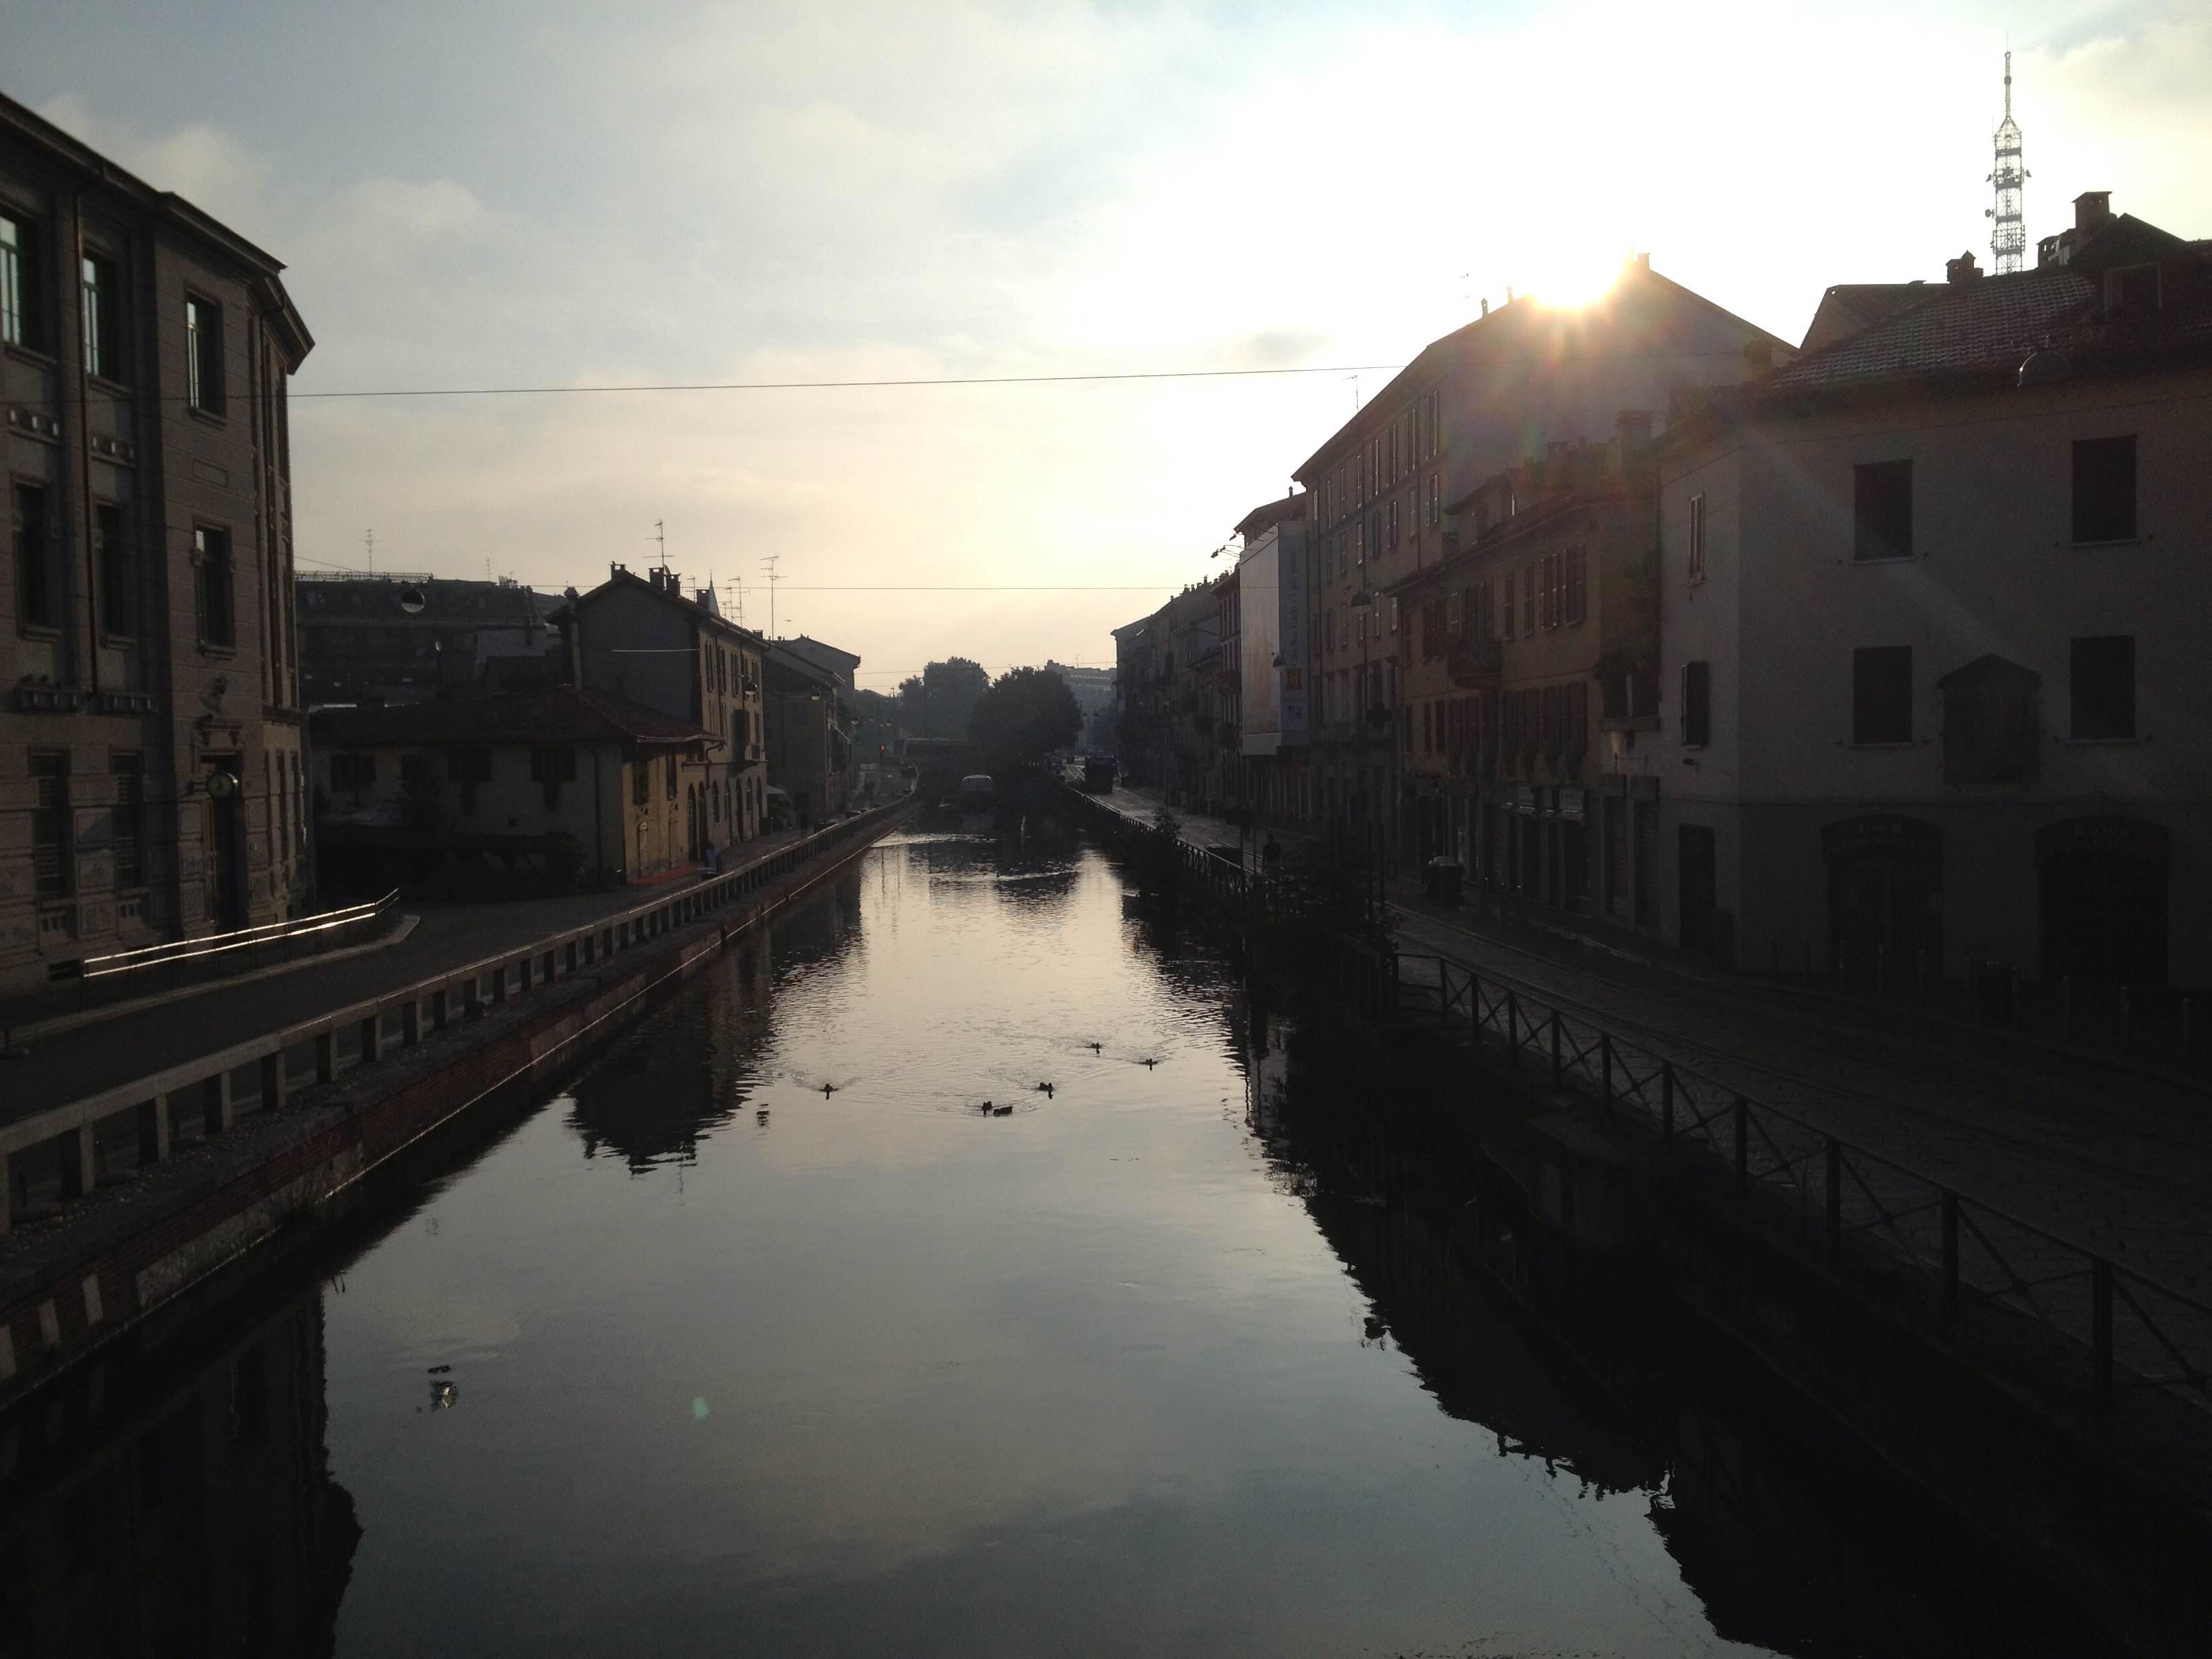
<point>84,513</point>
<point>599,820</point>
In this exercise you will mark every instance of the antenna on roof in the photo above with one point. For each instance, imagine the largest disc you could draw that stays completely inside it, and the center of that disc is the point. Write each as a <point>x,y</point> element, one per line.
<point>768,565</point>
<point>2008,233</point>
<point>368,542</point>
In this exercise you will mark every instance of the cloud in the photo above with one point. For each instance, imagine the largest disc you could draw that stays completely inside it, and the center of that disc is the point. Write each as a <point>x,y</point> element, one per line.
<point>207,166</point>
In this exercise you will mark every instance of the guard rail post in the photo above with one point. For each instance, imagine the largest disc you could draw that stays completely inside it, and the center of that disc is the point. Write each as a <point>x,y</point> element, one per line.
<point>2100,1327</point>
<point>1948,1208</point>
<point>1835,1193</point>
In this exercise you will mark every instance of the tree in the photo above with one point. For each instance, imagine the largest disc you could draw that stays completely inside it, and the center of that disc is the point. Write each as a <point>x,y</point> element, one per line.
<point>1024,715</point>
<point>939,701</point>
<point>950,690</point>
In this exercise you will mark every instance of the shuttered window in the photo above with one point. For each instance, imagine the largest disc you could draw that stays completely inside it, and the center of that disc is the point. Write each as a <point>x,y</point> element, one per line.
<point>50,815</point>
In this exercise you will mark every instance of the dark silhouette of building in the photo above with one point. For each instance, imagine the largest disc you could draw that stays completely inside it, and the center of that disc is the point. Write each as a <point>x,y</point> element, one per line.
<point>150,778</point>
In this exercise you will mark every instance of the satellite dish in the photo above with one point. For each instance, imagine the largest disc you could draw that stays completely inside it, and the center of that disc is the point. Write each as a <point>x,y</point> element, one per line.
<point>220,786</point>
<point>411,600</point>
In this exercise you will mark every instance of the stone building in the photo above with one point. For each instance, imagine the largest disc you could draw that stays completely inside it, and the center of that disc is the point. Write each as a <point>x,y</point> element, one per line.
<point>402,638</point>
<point>1932,621</point>
<point>1508,387</point>
<point>810,735</point>
<point>534,791</point>
<point>151,783</point>
<point>1534,656</point>
<point>641,638</point>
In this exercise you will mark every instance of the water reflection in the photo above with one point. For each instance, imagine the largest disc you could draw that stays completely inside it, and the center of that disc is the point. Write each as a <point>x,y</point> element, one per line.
<point>178,1506</point>
<point>1793,1540</point>
<point>1201,1349</point>
<point>661,1090</point>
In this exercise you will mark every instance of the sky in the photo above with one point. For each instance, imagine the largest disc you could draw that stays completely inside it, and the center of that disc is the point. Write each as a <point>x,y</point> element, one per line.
<point>553,195</point>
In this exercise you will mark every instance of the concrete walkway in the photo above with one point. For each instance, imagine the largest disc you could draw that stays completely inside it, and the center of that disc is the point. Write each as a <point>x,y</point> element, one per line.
<point>2114,1157</point>
<point>135,1042</point>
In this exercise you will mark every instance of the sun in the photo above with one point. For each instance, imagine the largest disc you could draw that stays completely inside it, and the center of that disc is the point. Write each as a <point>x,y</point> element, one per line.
<point>1566,265</point>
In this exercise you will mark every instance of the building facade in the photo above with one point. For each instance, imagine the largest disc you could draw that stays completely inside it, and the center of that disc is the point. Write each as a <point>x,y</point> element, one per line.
<point>536,791</point>
<point>1931,610</point>
<point>151,778</point>
<point>402,637</point>
<point>1534,649</point>
<point>641,638</point>
<point>810,736</point>
<point>1522,382</point>
<point>1271,573</point>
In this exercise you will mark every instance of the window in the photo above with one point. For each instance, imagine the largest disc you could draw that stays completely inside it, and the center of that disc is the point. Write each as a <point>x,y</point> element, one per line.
<point>1881,511</point>
<point>1575,597</point>
<point>672,774</point>
<point>1697,704</point>
<point>2103,687</point>
<point>50,826</point>
<point>1881,694</point>
<point>103,317</point>
<point>1527,599</point>
<point>2104,489</point>
<point>20,310</point>
<point>352,773</point>
<point>214,596</point>
<point>471,768</point>
<point>127,830</point>
<point>551,768</point>
<point>641,784</point>
<point>118,589</point>
<point>203,355</point>
<point>1697,550</point>
<point>555,765</point>
<point>38,604</point>
<point>1505,611</point>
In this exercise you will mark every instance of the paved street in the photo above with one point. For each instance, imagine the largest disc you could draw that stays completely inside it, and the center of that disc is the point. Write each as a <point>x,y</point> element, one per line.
<point>2114,1159</point>
<point>134,1042</point>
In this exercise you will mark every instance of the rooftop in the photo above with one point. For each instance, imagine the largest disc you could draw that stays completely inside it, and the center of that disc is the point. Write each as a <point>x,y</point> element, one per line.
<point>558,713</point>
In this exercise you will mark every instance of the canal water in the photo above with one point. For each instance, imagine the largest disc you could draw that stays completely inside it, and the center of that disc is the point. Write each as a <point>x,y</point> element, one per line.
<point>810,1320</point>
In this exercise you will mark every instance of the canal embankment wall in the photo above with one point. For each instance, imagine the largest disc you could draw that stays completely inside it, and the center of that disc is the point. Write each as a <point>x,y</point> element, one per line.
<point>1797,1259</point>
<point>281,1127</point>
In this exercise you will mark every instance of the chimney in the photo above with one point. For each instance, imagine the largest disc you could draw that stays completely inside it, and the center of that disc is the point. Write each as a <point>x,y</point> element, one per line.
<point>1962,269</point>
<point>1643,262</point>
<point>1758,358</point>
<point>2091,209</point>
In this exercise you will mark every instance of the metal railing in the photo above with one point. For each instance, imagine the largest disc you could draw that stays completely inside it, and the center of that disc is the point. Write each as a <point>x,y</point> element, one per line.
<point>2118,1328</point>
<point>105,1134</point>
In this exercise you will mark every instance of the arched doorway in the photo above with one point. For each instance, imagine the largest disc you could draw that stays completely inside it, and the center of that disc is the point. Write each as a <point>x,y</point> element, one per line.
<point>1885,899</point>
<point>2103,901</point>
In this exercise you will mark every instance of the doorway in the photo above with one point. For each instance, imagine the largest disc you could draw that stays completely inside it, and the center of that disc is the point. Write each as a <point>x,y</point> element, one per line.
<point>1698,885</point>
<point>2104,900</point>
<point>1885,899</point>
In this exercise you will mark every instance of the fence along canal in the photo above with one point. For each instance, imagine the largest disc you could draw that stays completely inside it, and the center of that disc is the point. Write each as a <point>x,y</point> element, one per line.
<point>2110,1330</point>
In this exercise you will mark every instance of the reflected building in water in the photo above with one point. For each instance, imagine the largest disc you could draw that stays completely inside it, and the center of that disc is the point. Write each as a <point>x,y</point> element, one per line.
<point>178,1518</point>
<point>1787,1532</point>
<point>658,1092</point>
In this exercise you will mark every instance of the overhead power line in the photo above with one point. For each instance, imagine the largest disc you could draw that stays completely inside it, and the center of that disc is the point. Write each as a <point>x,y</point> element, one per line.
<point>362,393</point>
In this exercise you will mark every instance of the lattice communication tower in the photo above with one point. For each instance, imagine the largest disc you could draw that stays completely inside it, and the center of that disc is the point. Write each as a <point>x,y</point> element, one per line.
<point>2009,235</point>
